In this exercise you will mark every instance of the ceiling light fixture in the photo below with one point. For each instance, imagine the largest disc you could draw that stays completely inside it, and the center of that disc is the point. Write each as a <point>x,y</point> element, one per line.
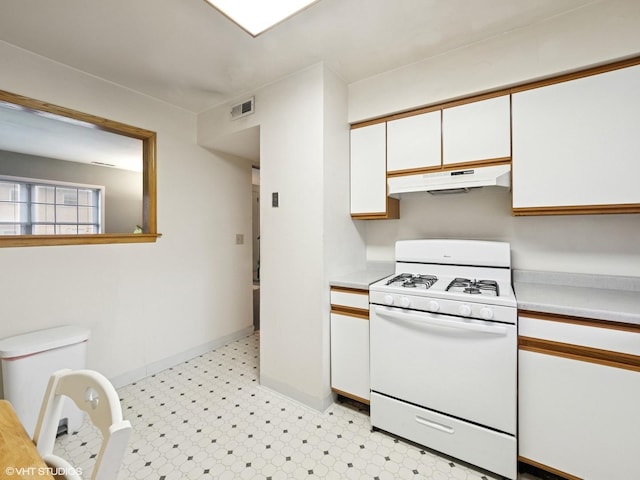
<point>257,16</point>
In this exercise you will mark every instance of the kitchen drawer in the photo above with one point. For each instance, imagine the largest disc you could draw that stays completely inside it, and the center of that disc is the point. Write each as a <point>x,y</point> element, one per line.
<point>350,297</point>
<point>585,333</point>
<point>497,452</point>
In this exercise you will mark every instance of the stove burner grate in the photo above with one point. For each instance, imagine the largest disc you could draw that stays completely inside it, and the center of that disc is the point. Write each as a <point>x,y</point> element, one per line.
<point>410,280</point>
<point>474,287</point>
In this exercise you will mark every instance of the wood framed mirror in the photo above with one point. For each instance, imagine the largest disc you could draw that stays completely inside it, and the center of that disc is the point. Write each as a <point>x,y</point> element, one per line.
<point>72,178</point>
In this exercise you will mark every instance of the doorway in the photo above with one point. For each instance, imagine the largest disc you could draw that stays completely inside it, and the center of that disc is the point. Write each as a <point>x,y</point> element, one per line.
<point>255,235</point>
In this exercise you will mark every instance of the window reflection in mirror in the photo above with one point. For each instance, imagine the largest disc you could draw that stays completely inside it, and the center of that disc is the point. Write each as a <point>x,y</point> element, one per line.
<point>68,177</point>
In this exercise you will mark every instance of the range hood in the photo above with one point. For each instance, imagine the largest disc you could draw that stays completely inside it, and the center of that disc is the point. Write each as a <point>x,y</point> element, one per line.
<point>452,181</point>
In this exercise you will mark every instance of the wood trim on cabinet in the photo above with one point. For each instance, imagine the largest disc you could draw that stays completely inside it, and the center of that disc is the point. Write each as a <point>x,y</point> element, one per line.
<point>451,166</point>
<point>392,213</point>
<point>441,138</point>
<point>581,353</point>
<point>396,116</point>
<point>369,216</point>
<point>357,291</point>
<point>582,73</point>
<point>521,87</point>
<point>414,171</point>
<point>546,468</point>
<point>578,209</point>
<point>393,208</point>
<point>350,311</point>
<point>433,108</point>
<point>587,322</point>
<point>351,396</point>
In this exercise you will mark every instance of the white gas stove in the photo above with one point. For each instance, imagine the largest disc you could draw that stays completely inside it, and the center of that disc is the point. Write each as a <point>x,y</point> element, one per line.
<point>443,350</point>
<point>447,276</point>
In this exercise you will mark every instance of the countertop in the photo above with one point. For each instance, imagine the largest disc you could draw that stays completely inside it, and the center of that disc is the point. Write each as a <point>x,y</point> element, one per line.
<point>579,295</point>
<point>572,294</point>
<point>361,279</point>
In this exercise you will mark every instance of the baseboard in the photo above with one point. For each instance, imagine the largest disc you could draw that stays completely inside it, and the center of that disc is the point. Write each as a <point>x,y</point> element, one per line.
<point>155,367</point>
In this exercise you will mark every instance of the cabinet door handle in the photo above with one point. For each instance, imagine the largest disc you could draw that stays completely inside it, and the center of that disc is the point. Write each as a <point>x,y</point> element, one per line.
<point>434,425</point>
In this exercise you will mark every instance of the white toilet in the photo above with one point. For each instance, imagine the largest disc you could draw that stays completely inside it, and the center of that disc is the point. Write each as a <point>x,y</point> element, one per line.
<point>28,360</point>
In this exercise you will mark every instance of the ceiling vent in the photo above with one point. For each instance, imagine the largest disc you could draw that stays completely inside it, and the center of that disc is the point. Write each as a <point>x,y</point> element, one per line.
<point>243,109</point>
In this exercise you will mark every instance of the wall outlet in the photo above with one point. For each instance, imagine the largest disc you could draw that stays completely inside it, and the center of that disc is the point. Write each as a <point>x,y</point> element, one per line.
<point>239,239</point>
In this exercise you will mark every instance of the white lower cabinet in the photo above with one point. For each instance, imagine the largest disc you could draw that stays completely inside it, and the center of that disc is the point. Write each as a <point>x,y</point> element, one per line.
<point>350,344</point>
<point>579,412</point>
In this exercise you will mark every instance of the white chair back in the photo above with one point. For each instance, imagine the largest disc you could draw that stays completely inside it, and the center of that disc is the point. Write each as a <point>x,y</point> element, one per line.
<point>96,396</point>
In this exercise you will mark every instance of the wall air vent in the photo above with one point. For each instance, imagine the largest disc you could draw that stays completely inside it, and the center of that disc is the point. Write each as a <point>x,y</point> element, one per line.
<point>243,109</point>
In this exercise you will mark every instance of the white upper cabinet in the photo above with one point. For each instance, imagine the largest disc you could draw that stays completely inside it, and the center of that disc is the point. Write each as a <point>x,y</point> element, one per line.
<point>477,131</point>
<point>368,170</point>
<point>577,143</point>
<point>414,142</point>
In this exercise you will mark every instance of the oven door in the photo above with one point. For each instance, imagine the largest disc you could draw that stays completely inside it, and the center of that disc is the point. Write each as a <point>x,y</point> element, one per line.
<point>461,367</point>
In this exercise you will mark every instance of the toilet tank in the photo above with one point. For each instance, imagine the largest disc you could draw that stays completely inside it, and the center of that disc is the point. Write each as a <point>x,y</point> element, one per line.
<point>28,360</point>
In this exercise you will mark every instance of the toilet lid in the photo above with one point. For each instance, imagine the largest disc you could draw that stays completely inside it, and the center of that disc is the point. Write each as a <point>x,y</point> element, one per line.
<point>42,340</point>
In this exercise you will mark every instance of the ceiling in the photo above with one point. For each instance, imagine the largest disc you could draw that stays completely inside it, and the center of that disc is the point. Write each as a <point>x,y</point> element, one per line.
<point>52,136</point>
<point>186,53</point>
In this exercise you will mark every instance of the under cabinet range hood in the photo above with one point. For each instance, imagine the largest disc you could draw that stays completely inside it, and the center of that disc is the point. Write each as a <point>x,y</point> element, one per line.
<point>451,181</point>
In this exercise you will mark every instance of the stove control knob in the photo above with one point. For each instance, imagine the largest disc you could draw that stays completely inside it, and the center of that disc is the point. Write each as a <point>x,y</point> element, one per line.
<point>464,310</point>
<point>405,302</point>
<point>433,306</point>
<point>486,313</point>
<point>388,299</point>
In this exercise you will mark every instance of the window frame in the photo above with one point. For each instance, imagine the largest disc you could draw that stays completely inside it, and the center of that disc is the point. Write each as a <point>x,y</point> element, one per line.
<point>32,183</point>
<point>149,187</point>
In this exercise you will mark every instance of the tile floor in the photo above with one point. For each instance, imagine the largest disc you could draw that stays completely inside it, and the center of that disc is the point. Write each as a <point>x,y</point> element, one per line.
<point>208,418</point>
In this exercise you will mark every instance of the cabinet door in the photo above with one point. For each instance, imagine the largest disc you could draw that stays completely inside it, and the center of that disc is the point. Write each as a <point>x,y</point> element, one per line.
<point>578,417</point>
<point>414,142</point>
<point>577,143</point>
<point>368,170</point>
<point>477,131</point>
<point>350,356</point>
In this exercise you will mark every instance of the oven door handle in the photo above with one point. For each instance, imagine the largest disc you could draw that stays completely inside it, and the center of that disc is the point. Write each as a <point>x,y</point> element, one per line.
<point>425,320</point>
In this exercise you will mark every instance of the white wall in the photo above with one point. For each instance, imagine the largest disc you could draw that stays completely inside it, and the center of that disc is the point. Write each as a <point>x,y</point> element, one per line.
<point>304,156</point>
<point>344,239</point>
<point>606,244</point>
<point>147,305</point>
<point>594,34</point>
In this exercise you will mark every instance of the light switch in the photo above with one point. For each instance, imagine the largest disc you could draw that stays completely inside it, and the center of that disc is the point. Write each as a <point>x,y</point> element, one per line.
<point>239,239</point>
<point>275,201</point>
